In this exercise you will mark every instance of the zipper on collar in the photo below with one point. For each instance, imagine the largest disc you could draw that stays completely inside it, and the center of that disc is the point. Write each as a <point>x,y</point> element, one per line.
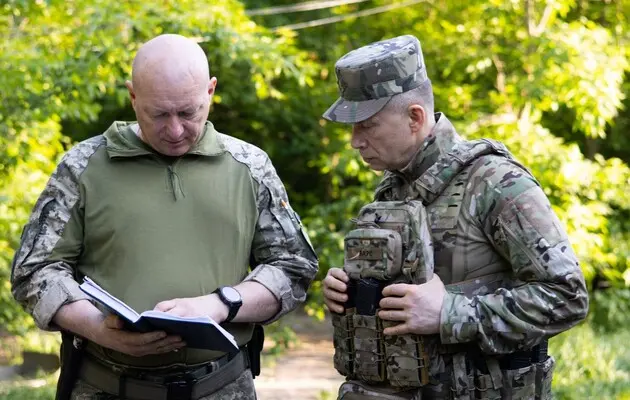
<point>175,182</point>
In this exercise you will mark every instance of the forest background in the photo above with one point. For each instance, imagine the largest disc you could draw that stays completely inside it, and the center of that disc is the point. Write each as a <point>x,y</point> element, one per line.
<point>550,79</point>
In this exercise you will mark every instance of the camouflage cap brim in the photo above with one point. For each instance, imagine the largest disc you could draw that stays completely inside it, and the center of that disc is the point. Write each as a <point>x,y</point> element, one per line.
<point>352,112</point>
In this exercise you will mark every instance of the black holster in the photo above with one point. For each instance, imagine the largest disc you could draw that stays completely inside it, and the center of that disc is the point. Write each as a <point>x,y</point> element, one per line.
<point>254,349</point>
<point>71,355</point>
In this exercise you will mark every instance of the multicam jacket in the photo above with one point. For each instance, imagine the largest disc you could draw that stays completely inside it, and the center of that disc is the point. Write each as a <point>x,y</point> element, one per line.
<point>491,223</point>
<point>149,228</point>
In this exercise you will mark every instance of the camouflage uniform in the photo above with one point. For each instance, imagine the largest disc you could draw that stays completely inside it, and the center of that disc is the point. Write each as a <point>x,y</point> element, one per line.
<point>511,276</point>
<point>108,212</point>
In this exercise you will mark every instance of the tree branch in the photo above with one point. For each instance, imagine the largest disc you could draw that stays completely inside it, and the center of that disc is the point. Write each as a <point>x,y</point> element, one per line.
<point>540,28</point>
<point>493,119</point>
<point>529,17</point>
<point>500,85</point>
<point>498,64</point>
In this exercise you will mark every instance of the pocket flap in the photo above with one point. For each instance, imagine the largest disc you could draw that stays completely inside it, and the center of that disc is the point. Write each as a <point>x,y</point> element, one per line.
<point>373,253</point>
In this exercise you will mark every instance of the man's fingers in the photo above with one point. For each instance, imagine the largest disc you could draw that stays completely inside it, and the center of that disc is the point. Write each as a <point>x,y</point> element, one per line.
<point>143,339</point>
<point>334,307</point>
<point>170,347</point>
<point>160,345</point>
<point>168,344</point>
<point>178,311</point>
<point>333,283</point>
<point>338,273</point>
<point>397,330</point>
<point>397,289</point>
<point>165,306</point>
<point>141,344</point>
<point>335,296</point>
<point>392,315</point>
<point>395,303</point>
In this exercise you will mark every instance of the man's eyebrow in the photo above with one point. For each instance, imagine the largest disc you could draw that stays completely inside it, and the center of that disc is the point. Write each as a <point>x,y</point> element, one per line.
<point>192,108</point>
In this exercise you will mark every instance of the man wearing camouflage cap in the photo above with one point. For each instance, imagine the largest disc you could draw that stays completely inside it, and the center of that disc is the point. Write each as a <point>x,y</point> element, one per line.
<point>505,276</point>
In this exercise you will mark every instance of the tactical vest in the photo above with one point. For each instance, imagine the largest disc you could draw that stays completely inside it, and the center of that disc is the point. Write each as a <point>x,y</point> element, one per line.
<point>391,244</point>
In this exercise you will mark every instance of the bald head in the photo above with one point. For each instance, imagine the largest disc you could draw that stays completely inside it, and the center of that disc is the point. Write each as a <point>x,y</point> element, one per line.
<point>171,91</point>
<point>169,60</point>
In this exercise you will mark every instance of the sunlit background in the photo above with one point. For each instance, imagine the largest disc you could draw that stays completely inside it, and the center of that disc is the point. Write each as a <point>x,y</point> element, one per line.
<point>548,78</point>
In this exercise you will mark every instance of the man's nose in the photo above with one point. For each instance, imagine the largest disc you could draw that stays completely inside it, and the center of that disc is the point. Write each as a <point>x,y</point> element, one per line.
<point>357,141</point>
<point>175,127</point>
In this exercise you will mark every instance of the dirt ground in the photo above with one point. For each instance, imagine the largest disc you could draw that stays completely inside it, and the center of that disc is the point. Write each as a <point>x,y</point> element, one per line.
<point>306,371</point>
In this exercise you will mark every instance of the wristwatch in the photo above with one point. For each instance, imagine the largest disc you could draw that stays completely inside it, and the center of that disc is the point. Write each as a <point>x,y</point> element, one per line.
<point>231,298</point>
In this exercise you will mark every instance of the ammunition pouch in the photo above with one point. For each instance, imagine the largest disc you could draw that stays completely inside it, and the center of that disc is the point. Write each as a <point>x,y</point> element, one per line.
<point>362,351</point>
<point>517,376</point>
<point>391,244</point>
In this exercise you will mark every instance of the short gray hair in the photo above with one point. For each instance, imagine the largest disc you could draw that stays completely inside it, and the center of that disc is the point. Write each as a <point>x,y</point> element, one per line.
<point>422,95</point>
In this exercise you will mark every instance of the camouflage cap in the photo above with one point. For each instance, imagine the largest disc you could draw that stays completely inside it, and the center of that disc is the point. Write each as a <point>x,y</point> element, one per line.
<point>369,76</point>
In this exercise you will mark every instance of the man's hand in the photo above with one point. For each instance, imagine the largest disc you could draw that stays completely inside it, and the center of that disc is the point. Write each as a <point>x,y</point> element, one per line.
<point>417,307</point>
<point>209,305</point>
<point>110,334</point>
<point>335,289</point>
<point>84,319</point>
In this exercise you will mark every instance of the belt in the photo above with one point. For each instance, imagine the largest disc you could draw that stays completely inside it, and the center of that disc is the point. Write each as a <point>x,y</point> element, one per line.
<point>188,384</point>
<point>516,360</point>
<point>522,359</point>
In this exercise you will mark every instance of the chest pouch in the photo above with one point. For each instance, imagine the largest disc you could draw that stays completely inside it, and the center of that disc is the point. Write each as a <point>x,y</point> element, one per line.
<point>391,244</point>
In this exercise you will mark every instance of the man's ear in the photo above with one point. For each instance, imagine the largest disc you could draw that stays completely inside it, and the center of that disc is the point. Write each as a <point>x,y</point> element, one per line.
<point>417,117</point>
<point>212,85</point>
<point>132,94</point>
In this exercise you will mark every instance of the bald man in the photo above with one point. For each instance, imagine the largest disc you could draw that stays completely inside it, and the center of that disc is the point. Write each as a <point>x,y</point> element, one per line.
<point>164,213</point>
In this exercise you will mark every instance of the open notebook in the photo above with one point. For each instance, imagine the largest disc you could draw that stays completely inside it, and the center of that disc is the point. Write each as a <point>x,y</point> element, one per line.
<point>199,332</point>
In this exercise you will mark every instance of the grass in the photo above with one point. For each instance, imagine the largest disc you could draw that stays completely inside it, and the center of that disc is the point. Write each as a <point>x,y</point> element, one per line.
<point>589,366</point>
<point>32,389</point>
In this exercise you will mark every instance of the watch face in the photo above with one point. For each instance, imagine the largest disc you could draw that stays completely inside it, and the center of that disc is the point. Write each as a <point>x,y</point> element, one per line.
<point>231,294</point>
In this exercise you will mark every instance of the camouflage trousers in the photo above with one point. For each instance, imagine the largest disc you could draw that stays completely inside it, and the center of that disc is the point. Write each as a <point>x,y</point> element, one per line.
<point>241,389</point>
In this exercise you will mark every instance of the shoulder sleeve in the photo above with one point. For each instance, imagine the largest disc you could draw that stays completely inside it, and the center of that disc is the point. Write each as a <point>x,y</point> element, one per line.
<point>284,260</point>
<point>547,294</point>
<point>43,269</point>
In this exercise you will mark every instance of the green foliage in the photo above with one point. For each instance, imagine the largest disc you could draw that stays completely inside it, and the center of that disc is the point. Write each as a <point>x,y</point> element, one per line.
<point>41,389</point>
<point>279,338</point>
<point>528,73</point>
<point>548,78</point>
<point>610,310</point>
<point>65,62</point>
<point>591,366</point>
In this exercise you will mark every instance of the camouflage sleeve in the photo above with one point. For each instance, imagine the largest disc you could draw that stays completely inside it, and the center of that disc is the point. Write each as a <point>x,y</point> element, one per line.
<point>548,294</point>
<point>42,270</point>
<point>285,261</point>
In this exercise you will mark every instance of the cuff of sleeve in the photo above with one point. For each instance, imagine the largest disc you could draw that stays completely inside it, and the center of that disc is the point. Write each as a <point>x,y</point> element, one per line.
<point>458,319</point>
<point>56,295</point>
<point>277,282</point>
